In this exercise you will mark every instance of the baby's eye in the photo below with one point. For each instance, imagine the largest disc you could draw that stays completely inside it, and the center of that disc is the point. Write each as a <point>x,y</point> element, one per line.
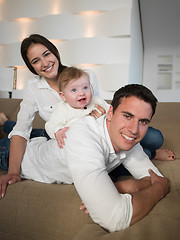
<point>86,87</point>
<point>73,90</point>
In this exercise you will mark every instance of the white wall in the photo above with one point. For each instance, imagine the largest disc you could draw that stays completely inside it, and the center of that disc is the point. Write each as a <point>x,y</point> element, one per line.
<point>136,55</point>
<point>101,35</point>
<point>161,21</point>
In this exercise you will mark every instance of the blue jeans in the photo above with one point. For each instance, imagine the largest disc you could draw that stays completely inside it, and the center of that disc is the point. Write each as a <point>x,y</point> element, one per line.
<point>5,142</point>
<point>152,141</point>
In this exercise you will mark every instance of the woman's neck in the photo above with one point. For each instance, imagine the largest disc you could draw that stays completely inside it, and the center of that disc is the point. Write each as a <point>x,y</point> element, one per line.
<point>53,84</point>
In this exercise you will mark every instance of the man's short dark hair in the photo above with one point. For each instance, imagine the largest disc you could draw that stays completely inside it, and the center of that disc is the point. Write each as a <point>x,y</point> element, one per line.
<point>136,90</point>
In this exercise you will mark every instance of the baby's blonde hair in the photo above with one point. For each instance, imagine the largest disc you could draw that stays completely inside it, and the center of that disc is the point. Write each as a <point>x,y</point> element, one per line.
<point>69,74</point>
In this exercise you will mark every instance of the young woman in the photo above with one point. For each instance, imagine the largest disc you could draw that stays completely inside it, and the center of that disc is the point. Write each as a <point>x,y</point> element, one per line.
<point>40,95</point>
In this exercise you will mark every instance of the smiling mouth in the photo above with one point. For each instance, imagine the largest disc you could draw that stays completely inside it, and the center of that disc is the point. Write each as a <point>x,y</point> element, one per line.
<point>49,69</point>
<point>128,138</point>
<point>82,100</point>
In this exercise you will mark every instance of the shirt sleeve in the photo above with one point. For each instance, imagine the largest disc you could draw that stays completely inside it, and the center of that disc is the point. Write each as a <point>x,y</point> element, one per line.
<point>26,114</point>
<point>99,101</point>
<point>86,161</point>
<point>138,163</point>
<point>94,82</point>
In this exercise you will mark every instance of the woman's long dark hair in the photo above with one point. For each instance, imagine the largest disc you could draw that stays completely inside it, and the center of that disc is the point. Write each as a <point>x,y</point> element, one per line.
<point>36,38</point>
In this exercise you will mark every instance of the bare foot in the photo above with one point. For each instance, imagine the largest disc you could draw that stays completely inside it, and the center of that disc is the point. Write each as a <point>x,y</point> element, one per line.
<point>164,155</point>
<point>3,118</point>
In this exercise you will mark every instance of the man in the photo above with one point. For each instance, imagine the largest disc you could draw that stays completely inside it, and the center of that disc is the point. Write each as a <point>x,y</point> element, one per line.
<point>93,148</point>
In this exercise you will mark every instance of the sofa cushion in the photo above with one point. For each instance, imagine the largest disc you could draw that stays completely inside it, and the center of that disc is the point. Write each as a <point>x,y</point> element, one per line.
<point>33,210</point>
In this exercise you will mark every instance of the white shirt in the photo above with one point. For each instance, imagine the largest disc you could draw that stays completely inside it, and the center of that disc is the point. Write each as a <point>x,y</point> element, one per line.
<point>64,115</point>
<point>86,159</point>
<point>40,97</point>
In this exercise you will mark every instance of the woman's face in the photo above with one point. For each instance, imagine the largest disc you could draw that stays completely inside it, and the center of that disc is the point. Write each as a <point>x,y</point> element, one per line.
<point>43,61</point>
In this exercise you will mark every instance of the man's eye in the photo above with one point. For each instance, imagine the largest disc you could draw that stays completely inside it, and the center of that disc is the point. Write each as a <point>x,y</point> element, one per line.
<point>144,122</point>
<point>74,90</point>
<point>127,116</point>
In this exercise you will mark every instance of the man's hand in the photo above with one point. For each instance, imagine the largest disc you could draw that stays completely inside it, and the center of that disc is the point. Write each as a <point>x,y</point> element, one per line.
<point>5,180</point>
<point>60,135</point>
<point>144,200</point>
<point>162,181</point>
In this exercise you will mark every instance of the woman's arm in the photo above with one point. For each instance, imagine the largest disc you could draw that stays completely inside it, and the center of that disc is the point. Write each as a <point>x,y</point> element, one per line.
<point>17,149</point>
<point>19,136</point>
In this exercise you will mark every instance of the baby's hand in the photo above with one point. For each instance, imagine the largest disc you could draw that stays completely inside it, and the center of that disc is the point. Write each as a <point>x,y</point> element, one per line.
<point>60,135</point>
<point>98,112</point>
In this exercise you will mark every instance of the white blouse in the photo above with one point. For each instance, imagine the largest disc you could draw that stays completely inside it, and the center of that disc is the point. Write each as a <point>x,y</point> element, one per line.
<point>40,97</point>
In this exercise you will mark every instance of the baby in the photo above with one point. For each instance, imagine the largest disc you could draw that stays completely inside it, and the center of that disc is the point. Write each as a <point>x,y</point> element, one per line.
<point>76,93</point>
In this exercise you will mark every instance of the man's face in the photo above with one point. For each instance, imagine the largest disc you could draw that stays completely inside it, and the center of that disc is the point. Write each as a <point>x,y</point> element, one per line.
<point>129,123</point>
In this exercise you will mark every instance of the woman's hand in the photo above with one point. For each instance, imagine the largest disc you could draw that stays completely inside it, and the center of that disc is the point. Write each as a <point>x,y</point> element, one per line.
<point>60,135</point>
<point>5,180</point>
<point>98,113</point>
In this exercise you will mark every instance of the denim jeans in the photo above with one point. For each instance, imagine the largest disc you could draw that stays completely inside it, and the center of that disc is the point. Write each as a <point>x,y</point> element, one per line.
<point>152,141</point>
<point>5,142</point>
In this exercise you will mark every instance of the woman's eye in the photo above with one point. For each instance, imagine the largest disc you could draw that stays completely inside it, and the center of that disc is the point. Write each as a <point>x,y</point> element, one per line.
<point>35,61</point>
<point>74,90</point>
<point>46,54</point>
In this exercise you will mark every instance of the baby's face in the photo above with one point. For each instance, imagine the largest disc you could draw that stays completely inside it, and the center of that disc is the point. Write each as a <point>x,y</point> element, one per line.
<point>77,93</point>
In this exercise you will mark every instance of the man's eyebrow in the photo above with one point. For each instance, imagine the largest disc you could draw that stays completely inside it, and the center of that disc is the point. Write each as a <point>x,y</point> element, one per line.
<point>125,112</point>
<point>146,120</point>
<point>131,115</point>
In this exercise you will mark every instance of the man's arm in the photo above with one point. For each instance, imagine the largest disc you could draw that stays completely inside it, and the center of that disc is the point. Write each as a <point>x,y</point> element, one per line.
<point>132,185</point>
<point>143,201</point>
<point>138,163</point>
<point>126,186</point>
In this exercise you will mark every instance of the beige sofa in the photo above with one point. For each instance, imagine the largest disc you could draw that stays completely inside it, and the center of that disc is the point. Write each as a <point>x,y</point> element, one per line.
<point>36,211</point>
